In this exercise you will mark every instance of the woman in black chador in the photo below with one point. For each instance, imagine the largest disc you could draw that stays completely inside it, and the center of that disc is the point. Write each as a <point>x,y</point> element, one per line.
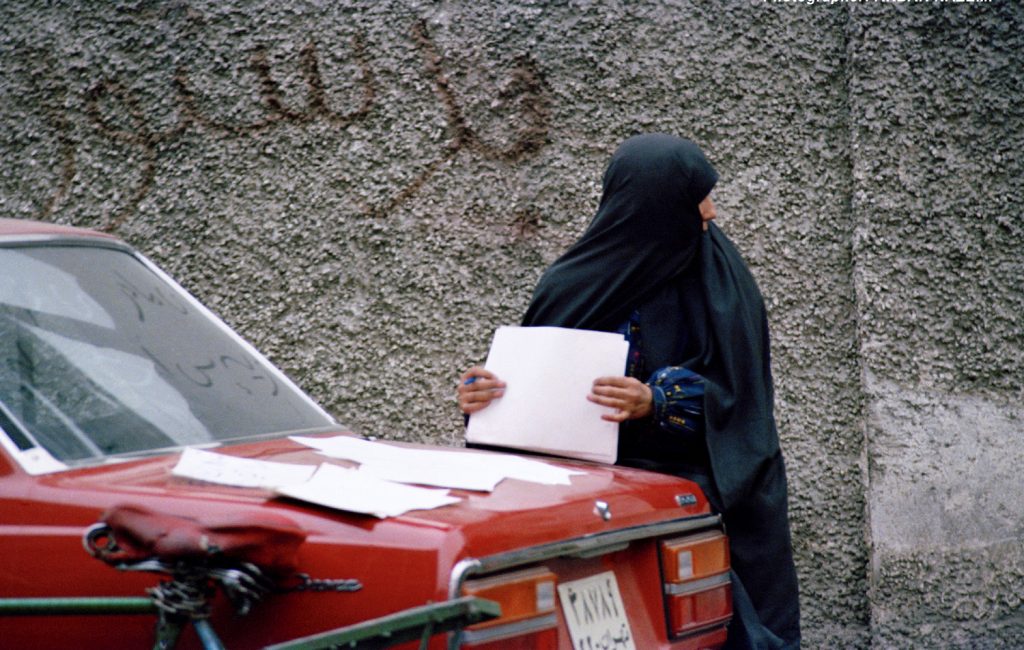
<point>697,397</point>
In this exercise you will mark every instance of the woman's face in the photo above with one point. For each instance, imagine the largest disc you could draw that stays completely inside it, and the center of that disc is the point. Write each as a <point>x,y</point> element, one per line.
<point>707,210</point>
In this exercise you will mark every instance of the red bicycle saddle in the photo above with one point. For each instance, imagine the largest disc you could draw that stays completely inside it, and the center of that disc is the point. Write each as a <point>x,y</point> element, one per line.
<point>268,540</point>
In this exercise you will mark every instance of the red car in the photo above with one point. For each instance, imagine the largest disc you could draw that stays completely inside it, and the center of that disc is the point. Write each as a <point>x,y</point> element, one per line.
<point>110,372</point>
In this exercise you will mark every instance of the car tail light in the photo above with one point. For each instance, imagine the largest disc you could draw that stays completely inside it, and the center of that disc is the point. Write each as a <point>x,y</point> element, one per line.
<point>698,590</point>
<point>528,619</point>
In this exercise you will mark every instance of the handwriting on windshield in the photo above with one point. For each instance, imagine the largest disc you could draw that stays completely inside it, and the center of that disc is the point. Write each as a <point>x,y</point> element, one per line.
<point>243,373</point>
<point>117,112</point>
<point>148,297</point>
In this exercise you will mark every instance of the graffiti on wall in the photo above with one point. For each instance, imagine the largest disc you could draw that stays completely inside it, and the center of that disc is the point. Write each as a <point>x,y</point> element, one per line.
<point>116,113</point>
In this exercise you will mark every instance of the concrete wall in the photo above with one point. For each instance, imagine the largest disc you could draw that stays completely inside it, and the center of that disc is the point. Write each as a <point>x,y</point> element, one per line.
<point>936,103</point>
<point>366,189</point>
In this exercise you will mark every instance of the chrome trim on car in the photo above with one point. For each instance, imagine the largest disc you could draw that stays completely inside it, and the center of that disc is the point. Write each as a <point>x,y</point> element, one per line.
<point>697,586</point>
<point>588,545</point>
<point>17,241</point>
<point>600,550</point>
<point>498,632</point>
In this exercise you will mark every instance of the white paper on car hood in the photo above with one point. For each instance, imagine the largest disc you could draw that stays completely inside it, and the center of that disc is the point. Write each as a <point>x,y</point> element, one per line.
<point>466,470</point>
<point>356,491</point>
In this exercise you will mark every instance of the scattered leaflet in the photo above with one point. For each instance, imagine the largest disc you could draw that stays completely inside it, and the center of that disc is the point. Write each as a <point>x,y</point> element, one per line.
<point>379,487</point>
<point>240,472</point>
<point>462,469</point>
<point>356,491</point>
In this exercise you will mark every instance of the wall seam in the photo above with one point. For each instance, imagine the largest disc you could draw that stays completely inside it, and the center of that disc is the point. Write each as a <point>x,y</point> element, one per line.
<point>856,283</point>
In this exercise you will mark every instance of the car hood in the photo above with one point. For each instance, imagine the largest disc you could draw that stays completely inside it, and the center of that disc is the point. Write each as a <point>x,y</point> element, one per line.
<point>485,522</point>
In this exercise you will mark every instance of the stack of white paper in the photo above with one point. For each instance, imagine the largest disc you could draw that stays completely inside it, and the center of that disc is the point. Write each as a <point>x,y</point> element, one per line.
<point>549,371</point>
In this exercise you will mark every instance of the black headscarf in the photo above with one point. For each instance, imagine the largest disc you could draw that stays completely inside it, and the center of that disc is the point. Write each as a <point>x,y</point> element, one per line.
<point>646,232</point>
<point>699,305</point>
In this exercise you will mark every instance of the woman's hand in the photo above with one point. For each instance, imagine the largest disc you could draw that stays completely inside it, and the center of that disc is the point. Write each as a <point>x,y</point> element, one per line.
<point>477,387</point>
<point>630,397</point>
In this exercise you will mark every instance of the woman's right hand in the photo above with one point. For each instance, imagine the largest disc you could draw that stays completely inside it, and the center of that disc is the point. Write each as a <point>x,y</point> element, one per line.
<point>477,387</point>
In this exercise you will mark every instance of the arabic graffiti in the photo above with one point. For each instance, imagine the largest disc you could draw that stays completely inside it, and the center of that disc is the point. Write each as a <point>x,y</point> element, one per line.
<point>116,112</point>
<point>527,82</point>
<point>148,141</point>
<point>271,96</point>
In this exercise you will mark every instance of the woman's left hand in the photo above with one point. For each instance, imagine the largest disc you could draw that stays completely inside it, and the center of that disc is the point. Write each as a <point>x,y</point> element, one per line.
<point>630,397</point>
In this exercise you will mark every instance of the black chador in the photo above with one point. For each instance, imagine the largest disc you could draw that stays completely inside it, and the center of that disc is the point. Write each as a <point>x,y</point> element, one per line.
<point>645,265</point>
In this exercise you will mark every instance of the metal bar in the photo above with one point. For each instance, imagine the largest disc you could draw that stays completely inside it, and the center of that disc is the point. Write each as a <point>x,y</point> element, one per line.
<point>84,606</point>
<point>207,636</point>
<point>87,241</point>
<point>398,628</point>
<point>696,586</point>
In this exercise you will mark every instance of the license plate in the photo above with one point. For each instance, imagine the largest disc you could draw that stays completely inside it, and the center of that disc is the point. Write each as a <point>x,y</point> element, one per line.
<point>595,614</point>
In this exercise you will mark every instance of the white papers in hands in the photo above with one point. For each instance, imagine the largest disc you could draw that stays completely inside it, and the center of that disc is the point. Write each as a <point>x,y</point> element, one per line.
<point>357,491</point>
<point>466,470</point>
<point>548,372</point>
<point>240,472</point>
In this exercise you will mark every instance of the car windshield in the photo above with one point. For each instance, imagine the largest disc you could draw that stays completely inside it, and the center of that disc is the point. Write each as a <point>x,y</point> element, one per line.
<point>101,356</point>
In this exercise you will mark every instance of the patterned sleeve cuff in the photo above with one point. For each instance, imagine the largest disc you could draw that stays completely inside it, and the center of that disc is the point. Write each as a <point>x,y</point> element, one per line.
<point>659,400</point>
<point>678,396</point>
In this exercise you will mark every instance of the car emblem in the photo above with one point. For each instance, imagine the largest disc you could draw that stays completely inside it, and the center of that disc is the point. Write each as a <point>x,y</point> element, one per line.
<point>686,499</point>
<point>602,510</point>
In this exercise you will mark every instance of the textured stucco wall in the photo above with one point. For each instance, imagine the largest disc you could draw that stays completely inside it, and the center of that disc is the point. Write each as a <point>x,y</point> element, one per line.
<point>937,104</point>
<point>366,189</point>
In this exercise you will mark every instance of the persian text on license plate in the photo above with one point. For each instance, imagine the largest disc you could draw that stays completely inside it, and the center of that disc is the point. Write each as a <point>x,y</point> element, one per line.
<point>595,614</point>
